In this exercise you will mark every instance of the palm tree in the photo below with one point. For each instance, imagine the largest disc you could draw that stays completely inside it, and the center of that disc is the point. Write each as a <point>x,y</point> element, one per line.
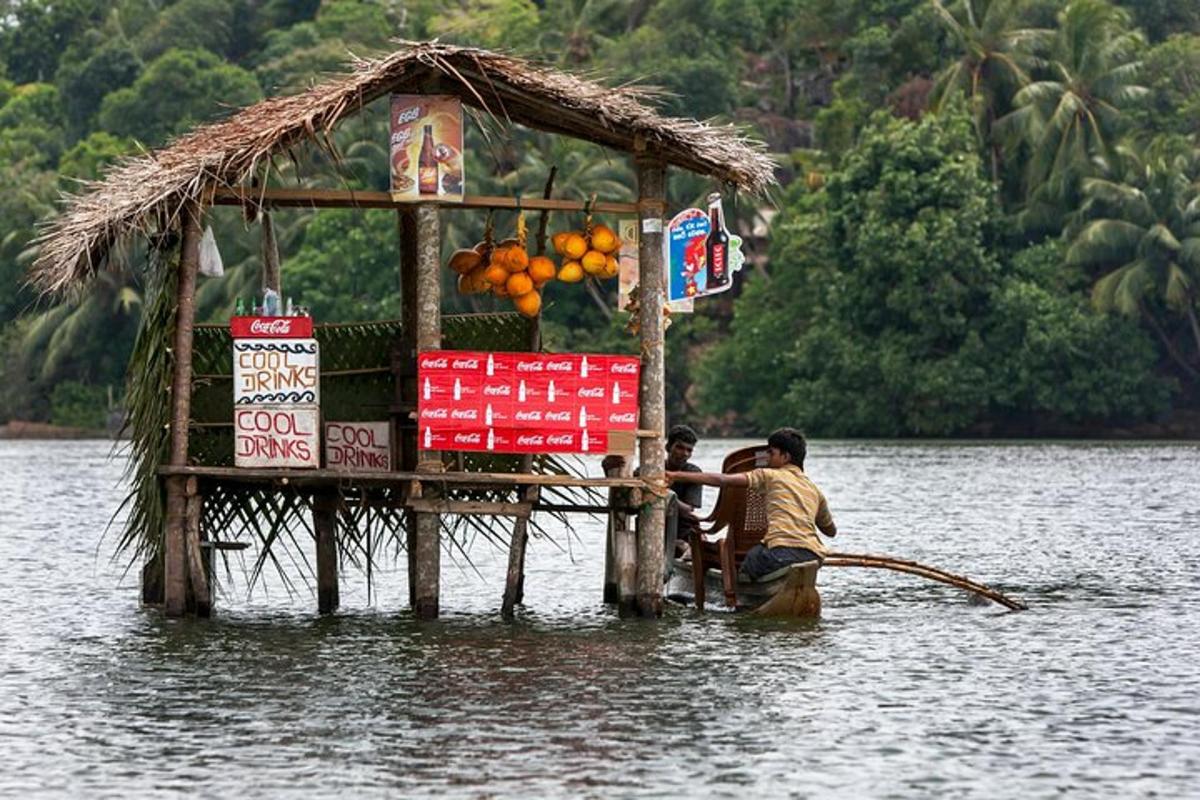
<point>1071,119</point>
<point>1144,236</point>
<point>990,68</point>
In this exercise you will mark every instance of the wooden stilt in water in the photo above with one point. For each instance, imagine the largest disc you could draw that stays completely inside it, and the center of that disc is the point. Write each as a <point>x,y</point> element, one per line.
<point>798,597</point>
<point>404,373</point>
<point>325,528</point>
<point>625,551</point>
<point>152,581</point>
<point>651,176</point>
<point>175,579</point>
<point>201,593</point>
<point>427,550</point>
<point>616,519</point>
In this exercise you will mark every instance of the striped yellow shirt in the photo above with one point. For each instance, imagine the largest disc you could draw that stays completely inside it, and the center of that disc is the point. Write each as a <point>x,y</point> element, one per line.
<point>795,508</point>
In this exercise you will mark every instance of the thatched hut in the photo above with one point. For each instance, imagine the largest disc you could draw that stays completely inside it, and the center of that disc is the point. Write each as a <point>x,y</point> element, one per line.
<point>186,494</point>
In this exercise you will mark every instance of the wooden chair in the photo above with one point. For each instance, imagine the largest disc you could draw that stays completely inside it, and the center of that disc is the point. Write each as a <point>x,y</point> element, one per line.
<point>742,514</point>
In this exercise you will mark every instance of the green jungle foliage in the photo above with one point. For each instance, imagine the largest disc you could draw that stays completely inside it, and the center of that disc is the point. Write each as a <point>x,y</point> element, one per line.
<point>988,222</point>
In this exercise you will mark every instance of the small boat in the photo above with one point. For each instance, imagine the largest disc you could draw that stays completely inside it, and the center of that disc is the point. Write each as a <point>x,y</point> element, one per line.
<point>791,591</point>
<point>741,514</point>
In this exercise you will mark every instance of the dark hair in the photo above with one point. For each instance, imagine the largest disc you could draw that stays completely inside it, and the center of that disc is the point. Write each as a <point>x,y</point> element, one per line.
<point>790,441</point>
<point>681,433</point>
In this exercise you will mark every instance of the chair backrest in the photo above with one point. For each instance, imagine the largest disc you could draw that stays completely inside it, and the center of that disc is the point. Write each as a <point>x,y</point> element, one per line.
<point>741,511</point>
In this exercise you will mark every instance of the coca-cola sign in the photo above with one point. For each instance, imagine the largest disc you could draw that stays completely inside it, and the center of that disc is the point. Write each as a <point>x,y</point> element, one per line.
<point>271,327</point>
<point>525,402</point>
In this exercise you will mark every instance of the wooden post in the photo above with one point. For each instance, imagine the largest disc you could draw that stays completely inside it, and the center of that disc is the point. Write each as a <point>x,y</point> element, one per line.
<point>427,550</point>
<point>651,173</point>
<point>175,557</point>
<point>617,521</point>
<point>514,583</point>
<point>201,591</point>
<point>325,528</point>
<point>404,372</point>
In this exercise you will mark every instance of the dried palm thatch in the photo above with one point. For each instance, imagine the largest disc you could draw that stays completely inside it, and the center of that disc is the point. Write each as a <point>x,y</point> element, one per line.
<point>144,194</point>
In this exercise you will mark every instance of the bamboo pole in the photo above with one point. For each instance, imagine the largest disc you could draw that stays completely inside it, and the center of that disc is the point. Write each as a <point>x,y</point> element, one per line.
<point>923,571</point>
<point>427,553</point>
<point>175,558</point>
<point>325,528</point>
<point>272,275</point>
<point>651,175</point>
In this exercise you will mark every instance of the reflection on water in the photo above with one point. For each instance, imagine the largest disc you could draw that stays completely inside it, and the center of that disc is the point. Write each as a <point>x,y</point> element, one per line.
<point>901,689</point>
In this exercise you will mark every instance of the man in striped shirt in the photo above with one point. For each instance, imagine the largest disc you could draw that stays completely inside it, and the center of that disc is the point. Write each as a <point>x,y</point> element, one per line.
<point>796,508</point>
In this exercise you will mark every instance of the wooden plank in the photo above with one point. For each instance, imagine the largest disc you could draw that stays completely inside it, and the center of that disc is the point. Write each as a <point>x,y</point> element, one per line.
<point>348,198</point>
<point>470,507</point>
<point>322,477</point>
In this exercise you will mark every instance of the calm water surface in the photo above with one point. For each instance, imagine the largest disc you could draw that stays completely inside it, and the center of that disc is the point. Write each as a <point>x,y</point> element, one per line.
<point>903,689</point>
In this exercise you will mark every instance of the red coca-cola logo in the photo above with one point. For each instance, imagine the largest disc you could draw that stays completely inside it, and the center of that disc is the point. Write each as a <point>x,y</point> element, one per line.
<point>531,441</point>
<point>559,366</point>
<point>566,439</point>
<point>466,363</point>
<point>465,413</point>
<point>497,390</point>
<point>624,368</point>
<point>530,366</point>
<point>274,327</point>
<point>528,416</point>
<point>626,418</point>
<point>435,413</point>
<point>558,416</point>
<point>468,438</point>
<point>593,391</point>
<point>435,363</point>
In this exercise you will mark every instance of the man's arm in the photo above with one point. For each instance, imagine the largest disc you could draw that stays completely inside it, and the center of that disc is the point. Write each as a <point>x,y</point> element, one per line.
<point>825,519</point>
<point>709,478</point>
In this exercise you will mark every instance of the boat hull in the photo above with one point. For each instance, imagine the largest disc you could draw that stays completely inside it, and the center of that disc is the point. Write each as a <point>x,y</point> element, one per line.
<point>791,591</point>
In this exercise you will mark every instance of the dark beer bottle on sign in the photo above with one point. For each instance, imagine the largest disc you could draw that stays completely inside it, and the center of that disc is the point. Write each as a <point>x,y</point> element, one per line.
<point>427,165</point>
<point>717,250</point>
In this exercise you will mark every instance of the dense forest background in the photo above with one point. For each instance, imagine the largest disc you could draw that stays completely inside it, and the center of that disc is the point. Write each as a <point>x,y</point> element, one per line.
<point>989,220</point>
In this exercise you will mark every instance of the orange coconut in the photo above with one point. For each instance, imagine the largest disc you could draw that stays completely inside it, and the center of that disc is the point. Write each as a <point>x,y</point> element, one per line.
<point>529,304</point>
<point>575,246</point>
<point>604,240</point>
<point>541,269</point>
<point>571,272</point>
<point>593,262</point>
<point>519,283</point>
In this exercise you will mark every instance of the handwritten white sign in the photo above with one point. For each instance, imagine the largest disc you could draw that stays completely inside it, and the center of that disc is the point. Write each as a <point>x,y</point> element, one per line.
<point>275,372</point>
<point>276,436</point>
<point>363,446</point>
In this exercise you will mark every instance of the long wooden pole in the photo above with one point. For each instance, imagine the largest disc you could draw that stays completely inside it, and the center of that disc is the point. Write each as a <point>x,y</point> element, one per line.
<point>404,373</point>
<point>427,551</point>
<point>923,571</point>
<point>325,528</point>
<point>652,176</point>
<point>175,556</point>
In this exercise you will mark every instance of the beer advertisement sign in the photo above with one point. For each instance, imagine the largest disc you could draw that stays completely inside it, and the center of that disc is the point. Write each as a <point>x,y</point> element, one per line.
<point>426,148</point>
<point>702,256</point>
<point>276,436</point>
<point>359,446</point>
<point>525,402</point>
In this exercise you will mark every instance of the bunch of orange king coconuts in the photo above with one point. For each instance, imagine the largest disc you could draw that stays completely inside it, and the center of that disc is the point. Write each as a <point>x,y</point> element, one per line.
<point>507,270</point>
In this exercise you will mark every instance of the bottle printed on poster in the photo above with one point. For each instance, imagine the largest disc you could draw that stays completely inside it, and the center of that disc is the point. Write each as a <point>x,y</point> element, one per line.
<point>491,442</point>
<point>491,366</point>
<point>550,392</point>
<point>583,416</point>
<point>457,389</point>
<point>487,415</point>
<point>717,246</point>
<point>427,164</point>
<point>583,368</point>
<point>428,392</point>
<point>428,434</point>
<point>521,392</point>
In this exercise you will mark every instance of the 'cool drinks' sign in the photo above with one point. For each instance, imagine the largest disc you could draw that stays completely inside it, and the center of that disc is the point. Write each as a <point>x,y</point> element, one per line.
<point>361,446</point>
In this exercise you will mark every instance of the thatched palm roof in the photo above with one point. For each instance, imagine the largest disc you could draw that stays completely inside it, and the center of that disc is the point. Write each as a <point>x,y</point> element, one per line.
<point>144,193</point>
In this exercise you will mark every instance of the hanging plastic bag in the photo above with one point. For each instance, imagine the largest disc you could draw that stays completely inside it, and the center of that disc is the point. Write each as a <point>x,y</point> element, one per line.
<point>210,256</point>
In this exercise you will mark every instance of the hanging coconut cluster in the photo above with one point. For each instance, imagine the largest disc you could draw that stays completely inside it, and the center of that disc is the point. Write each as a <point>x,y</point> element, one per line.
<point>591,251</point>
<point>505,269</point>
